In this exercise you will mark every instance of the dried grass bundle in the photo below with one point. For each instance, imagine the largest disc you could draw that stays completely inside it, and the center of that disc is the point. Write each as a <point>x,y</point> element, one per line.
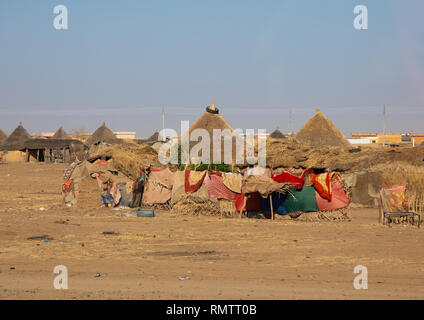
<point>412,176</point>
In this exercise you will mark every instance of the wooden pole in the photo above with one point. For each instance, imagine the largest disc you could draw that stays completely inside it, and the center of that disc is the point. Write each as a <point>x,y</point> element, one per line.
<point>272,209</point>
<point>26,155</point>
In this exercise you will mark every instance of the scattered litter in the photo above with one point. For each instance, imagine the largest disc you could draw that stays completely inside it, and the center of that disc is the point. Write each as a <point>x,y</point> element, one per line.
<point>126,214</point>
<point>12,268</point>
<point>42,209</point>
<point>98,275</point>
<point>113,233</point>
<point>184,277</point>
<point>42,237</point>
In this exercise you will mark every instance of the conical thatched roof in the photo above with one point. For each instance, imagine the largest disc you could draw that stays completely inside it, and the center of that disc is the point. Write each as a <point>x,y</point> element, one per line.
<point>3,136</point>
<point>209,121</point>
<point>102,134</point>
<point>320,131</point>
<point>16,140</point>
<point>61,134</point>
<point>277,134</point>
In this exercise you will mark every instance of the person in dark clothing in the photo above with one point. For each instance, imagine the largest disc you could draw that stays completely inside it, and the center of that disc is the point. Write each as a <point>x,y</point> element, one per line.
<point>138,189</point>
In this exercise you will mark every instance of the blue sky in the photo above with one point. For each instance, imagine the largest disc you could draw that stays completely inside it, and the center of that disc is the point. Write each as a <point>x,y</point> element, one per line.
<point>120,61</point>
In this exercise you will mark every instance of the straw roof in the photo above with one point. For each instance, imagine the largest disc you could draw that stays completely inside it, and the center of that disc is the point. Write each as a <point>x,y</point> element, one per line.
<point>51,143</point>
<point>102,134</point>
<point>320,131</point>
<point>16,140</point>
<point>277,134</point>
<point>209,121</point>
<point>61,134</point>
<point>3,136</point>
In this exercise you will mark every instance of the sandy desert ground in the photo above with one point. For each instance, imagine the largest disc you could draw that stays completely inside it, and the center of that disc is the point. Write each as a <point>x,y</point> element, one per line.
<point>180,257</point>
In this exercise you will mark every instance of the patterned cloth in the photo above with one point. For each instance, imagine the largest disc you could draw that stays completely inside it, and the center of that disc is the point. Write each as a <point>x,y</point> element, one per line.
<point>193,180</point>
<point>217,189</point>
<point>322,183</point>
<point>393,198</point>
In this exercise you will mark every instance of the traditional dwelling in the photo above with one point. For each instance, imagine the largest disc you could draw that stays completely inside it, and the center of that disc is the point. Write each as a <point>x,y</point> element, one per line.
<point>3,136</point>
<point>210,121</point>
<point>59,148</point>
<point>13,147</point>
<point>102,134</point>
<point>320,131</point>
<point>277,134</point>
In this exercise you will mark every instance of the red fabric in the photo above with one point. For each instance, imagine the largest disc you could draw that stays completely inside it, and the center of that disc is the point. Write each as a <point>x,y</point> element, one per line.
<point>101,163</point>
<point>192,187</point>
<point>322,183</point>
<point>289,178</point>
<point>66,185</point>
<point>156,169</point>
<point>219,173</point>
<point>239,201</point>
<point>217,189</point>
<point>339,199</point>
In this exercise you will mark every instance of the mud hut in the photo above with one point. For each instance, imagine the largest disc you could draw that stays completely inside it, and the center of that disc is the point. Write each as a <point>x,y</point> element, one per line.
<point>102,134</point>
<point>319,131</point>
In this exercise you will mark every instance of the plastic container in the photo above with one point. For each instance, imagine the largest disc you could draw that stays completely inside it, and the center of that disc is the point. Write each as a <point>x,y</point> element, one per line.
<point>145,213</point>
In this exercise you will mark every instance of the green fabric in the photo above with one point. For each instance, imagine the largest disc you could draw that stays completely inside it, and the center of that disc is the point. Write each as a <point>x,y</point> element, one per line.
<point>303,200</point>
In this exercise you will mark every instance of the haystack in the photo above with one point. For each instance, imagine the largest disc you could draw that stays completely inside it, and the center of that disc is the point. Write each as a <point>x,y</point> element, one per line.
<point>16,140</point>
<point>126,157</point>
<point>102,134</point>
<point>61,134</point>
<point>209,121</point>
<point>277,134</point>
<point>319,131</point>
<point>3,136</point>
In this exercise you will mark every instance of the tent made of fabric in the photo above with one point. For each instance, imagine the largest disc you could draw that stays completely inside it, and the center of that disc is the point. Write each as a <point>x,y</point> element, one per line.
<point>158,187</point>
<point>302,200</point>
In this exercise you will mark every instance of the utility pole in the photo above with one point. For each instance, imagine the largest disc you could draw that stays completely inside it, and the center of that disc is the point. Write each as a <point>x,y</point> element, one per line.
<point>290,122</point>
<point>384,124</point>
<point>163,123</point>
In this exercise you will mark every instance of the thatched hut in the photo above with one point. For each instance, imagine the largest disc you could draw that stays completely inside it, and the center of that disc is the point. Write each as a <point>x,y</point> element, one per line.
<point>61,134</point>
<point>277,134</point>
<point>3,136</point>
<point>16,140</point>
<point>319,131</point>
<point>13,146</point>
<point>150,140</point>
<point>102,134</point>
<point>55,150</point>
<point>210,121</point>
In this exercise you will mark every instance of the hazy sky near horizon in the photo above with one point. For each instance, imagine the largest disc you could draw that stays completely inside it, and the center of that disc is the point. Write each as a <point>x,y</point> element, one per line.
<point>120,61</point>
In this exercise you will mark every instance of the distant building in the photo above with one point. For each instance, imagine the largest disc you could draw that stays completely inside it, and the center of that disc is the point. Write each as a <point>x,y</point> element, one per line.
<point>389,138</point>
<point>125,135</point>
<point>47,134</point>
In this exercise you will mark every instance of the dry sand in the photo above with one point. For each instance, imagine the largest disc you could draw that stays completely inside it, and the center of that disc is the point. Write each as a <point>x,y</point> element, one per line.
<point>218,258</point>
